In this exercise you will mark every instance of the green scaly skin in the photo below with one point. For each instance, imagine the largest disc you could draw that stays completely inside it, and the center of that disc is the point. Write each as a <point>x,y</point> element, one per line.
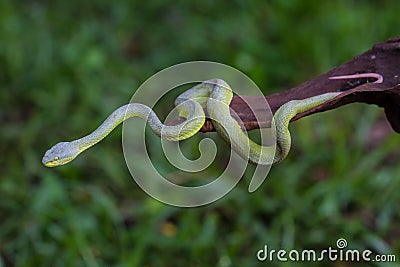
<point>216,95</point>
<point>64,152</point>
<point>218,109</point>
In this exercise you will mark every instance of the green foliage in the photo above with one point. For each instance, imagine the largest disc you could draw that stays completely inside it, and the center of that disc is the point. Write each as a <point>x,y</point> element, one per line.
<point>66,65</point>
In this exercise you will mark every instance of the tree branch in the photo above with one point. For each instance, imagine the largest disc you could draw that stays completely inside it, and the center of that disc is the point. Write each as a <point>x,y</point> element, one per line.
<point>383,58</point>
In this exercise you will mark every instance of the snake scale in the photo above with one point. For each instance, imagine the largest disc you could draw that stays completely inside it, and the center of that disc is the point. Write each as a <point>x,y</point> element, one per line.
<point>216,96</point>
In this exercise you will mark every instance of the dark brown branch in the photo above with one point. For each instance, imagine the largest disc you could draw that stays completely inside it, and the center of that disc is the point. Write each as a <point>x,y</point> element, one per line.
<point>383,58</point>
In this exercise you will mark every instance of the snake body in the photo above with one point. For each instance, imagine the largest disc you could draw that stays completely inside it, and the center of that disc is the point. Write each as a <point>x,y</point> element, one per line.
<point>64,152</point>
<point>216,95</point>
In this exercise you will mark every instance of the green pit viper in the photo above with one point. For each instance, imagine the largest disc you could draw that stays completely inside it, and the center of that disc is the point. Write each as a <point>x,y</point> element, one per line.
<point>216,96</point>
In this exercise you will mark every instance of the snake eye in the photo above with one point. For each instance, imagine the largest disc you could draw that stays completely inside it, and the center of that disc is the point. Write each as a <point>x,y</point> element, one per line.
<point>55,158</point>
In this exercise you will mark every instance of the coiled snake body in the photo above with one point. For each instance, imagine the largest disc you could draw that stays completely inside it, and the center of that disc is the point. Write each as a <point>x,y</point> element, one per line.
<point>216,95</point>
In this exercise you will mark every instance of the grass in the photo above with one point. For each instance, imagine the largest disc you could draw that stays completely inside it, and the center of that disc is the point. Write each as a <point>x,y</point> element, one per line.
<point>64,66</point>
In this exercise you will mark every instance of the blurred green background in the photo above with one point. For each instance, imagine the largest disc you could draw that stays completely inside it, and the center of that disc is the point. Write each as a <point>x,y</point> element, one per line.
<point>66,65</point>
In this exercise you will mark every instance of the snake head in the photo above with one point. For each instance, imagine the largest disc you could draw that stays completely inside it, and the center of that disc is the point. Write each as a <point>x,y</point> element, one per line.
<point>60,154</point>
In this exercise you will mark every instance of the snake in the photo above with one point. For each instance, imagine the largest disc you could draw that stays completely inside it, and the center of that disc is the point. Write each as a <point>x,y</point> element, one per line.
<point>215,95</point>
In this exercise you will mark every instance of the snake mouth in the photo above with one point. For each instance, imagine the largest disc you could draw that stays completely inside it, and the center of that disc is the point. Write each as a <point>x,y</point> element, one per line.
<point>48,161</point>
<point>55,162</point>
<point>50,164</point>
